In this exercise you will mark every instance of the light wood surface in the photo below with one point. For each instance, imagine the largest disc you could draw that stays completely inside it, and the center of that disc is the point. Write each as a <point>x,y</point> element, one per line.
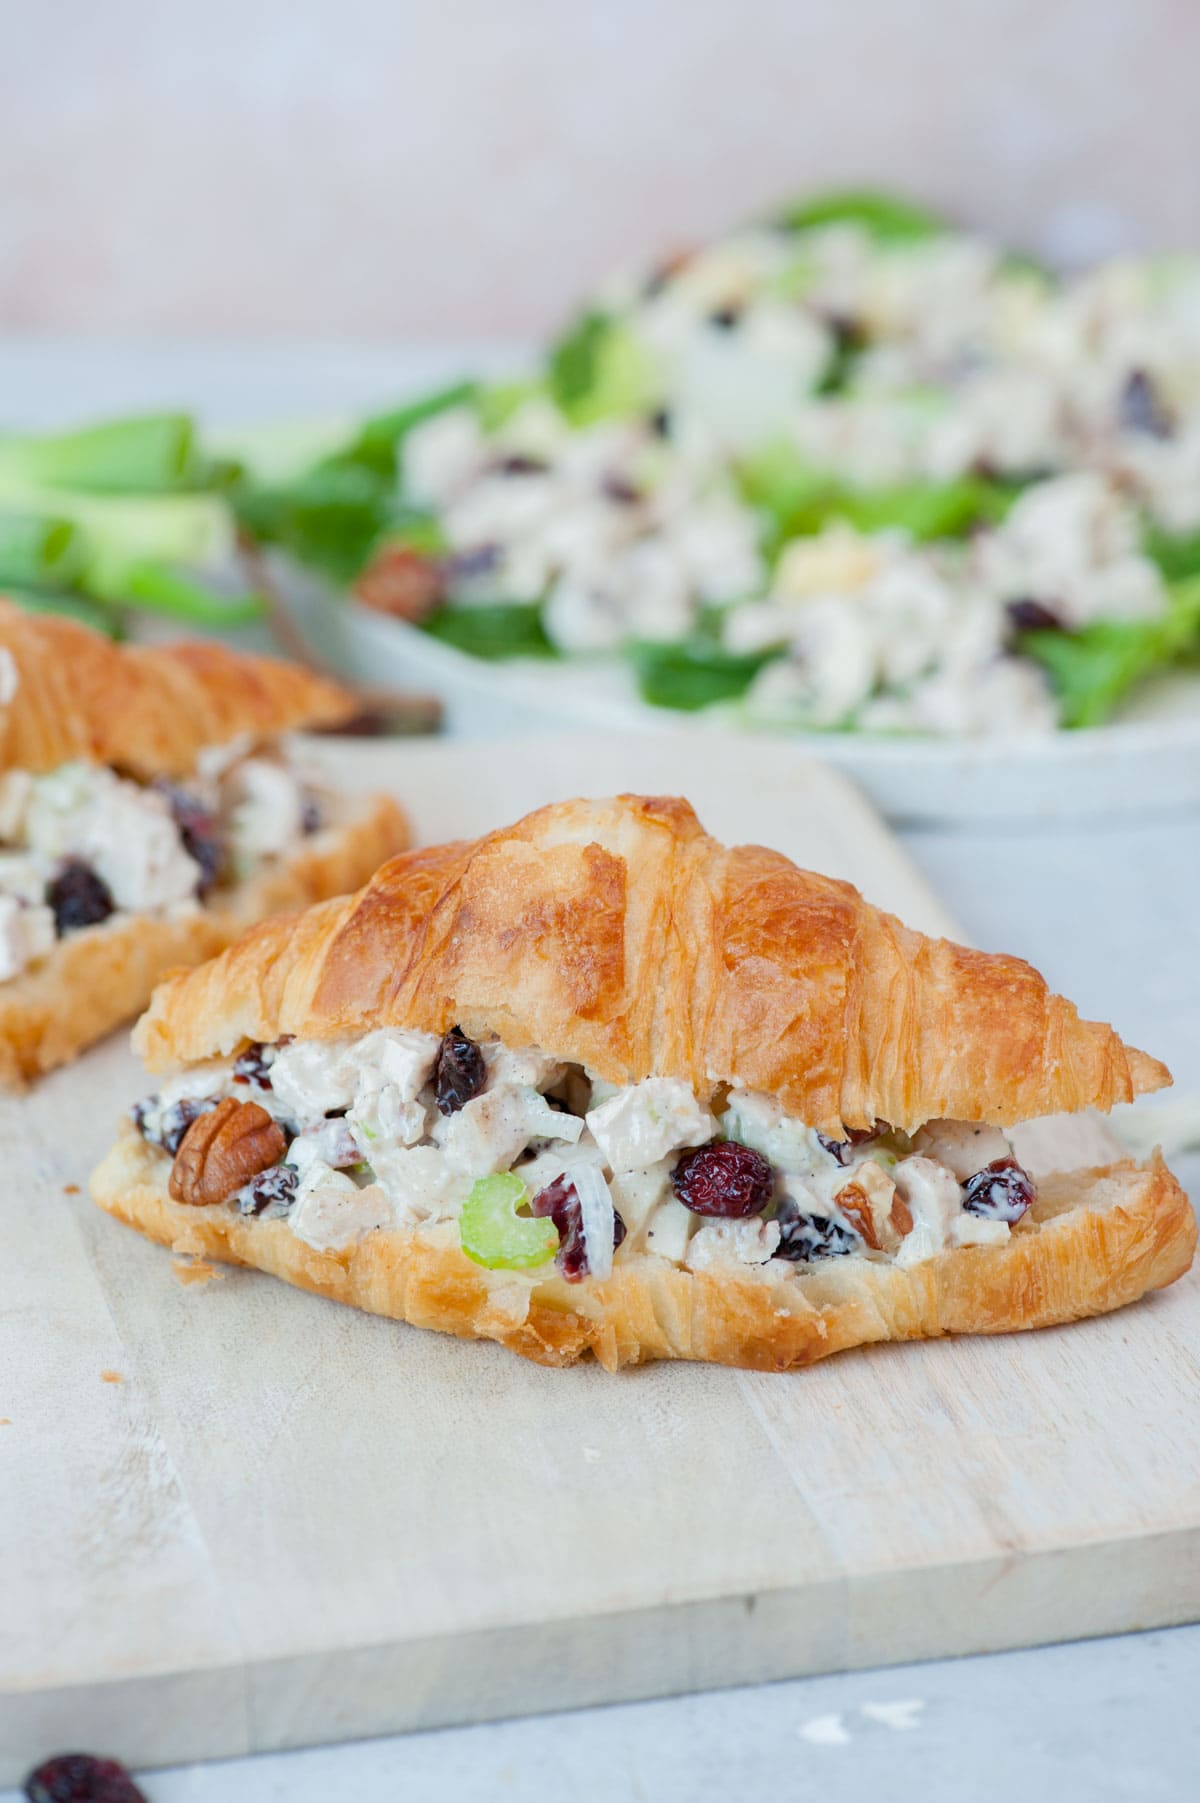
<point>290,1523</point>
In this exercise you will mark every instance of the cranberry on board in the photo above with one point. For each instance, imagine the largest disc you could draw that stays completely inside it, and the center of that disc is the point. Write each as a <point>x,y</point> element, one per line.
<point>78,896</point>
<point>724,1178</point>
<point>559,1201</point>
<point>81,1778</point>
<point>460,1073</point>
<point>1002,1191</point>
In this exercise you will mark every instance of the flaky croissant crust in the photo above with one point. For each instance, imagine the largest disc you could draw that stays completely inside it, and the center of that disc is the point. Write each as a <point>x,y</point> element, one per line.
<point>620,936</point>
<point>68,693</point>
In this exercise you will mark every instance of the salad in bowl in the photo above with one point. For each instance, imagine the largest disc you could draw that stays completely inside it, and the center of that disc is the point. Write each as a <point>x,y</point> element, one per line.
<point>846,469</point>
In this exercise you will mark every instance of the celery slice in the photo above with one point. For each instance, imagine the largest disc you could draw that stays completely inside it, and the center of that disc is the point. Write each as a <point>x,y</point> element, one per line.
<point>493,1234</point>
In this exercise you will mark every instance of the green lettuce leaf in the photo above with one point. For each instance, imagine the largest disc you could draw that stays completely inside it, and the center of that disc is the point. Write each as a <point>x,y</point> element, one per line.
<point>600,371</point>
<point>1094,669</point>
<point>506,629</point>
<point>798,501</point>
<point>1176,554</point>
<point>376,445</point>
<point>693,674</point>
<point>887,217</point>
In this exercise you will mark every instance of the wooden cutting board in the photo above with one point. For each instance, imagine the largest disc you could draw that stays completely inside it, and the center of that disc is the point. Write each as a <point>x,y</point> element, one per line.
<point>239,1518</point>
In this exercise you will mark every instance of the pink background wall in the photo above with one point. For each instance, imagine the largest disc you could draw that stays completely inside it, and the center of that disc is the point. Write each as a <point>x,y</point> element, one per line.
<point>385,169</point>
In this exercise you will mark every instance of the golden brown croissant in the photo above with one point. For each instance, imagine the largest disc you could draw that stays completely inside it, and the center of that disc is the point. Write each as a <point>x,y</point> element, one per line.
<point>137,716</point>
<point>624,943</point>
<point>146,709</point>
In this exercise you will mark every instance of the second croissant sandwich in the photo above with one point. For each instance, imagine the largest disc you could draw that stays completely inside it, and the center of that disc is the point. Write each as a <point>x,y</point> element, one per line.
<point>152,806</point>
<point>597,1083</point>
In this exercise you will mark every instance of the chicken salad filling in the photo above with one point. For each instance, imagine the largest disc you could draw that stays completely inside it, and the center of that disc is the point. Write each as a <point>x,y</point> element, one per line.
<point>529,1162</point>
<point>84,843</point>
<point>1009,459</point>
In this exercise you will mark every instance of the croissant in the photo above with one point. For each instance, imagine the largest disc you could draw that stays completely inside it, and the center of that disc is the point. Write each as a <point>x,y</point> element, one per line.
<point>783,1106</point>
<point>67,692</point>
<point>115,765</point>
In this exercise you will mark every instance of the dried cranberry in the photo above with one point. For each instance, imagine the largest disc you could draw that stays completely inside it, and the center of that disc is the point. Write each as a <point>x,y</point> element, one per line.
<point>725,318</point>
<point>520,465</point>
<point>618,489</point>
<point>81,1778</point>
<point>78,896</point>
<point>803,1237</point>
<point>1141,407</point>
<point>480,560</point>
<point>173,1122</point>
<point>460,1073</point>
<point>1002,1191</point>
<point>254,1065</point>
<point>311,817</point>
<point>843,1149</point>
<point>276,1186</point>
<point>560,1202</point>
<point>660,423</point>
<point>724,1178</point>
<point>849,334</point>
<point>1031,615</point>
<point>200,831</point>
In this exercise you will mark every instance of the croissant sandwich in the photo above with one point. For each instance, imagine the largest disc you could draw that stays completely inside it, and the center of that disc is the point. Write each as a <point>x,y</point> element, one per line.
<point>151,808</point>
<point>597,1083</point>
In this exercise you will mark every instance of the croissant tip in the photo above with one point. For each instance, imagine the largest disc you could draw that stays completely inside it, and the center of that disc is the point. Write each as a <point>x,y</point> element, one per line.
<point>1146,1073</point>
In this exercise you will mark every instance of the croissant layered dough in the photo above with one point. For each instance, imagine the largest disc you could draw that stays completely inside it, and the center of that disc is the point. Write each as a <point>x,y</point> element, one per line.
<point>151,808</point>
<point>741,1115</point>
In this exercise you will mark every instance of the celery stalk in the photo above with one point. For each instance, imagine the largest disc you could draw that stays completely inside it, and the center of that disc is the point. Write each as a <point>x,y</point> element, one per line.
<point>124,456</point>
<point>40,551</point>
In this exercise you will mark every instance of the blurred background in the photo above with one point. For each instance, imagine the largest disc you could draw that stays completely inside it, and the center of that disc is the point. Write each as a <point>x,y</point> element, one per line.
<point>381,169</point>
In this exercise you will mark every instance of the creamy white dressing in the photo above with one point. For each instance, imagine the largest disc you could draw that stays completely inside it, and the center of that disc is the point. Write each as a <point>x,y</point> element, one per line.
<point>128,837</point>
<point>363,1119</point>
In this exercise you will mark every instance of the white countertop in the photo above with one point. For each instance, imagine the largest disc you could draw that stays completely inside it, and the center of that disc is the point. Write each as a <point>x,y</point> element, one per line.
<point>1108,912</point>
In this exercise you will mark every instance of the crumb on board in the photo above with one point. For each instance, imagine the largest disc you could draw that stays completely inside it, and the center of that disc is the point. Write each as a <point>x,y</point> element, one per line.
<point>111,1377</point>
<point>194,1270</point>
<point>70,1189</point>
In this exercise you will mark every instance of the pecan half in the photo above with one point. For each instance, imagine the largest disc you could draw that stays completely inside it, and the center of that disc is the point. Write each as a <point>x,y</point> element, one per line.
<point>401,582</point>
<point>222,1150</point>
<point>869,1202</point>
<point>855,1204</point>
